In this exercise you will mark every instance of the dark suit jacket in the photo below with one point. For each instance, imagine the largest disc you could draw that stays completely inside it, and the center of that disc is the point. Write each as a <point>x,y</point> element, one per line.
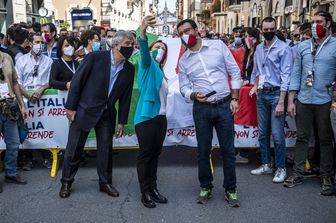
<point>88,94</point>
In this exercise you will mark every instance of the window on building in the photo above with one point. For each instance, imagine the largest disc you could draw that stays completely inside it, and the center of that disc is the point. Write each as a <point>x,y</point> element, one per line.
<point>289,3</point>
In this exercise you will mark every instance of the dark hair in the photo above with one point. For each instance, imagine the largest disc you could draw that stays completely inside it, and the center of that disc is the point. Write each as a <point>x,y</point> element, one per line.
<point>10,32</point>
<point>60,42</point>
<point>190,21</point>
<point>2,35</point>
<point>305,26</point>
<point>254,32</point>
<point>326,15</point>
<point>159,41</point>
<point>36,27</point>
<point>20,35</point>
<point>52,28</point>
<point>268,19</point>
<point>88,35</point>
<point>97,29</point>
<point>280,36</point>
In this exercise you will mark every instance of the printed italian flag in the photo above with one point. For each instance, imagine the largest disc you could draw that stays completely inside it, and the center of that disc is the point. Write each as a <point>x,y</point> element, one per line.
<point>187,39</point>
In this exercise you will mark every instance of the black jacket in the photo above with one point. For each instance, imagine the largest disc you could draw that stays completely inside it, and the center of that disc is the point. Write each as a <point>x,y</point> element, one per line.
<point>88,94</point>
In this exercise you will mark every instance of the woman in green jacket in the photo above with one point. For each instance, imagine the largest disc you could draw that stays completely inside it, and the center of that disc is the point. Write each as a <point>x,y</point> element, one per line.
<point>150,116</point>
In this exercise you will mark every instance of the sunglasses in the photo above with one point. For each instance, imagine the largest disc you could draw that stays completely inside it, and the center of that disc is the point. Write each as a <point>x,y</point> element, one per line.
<point>35,70</point>
<point>296,35</point>
<point>2,76</point>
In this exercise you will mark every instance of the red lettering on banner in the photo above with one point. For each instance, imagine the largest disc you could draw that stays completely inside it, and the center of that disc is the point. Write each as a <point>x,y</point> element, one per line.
<point>170,132</point>
<point>57,112</point>
<point>242,134</point>
<point>40,135</point>
<point>186,132</point>
<point>290,134</point>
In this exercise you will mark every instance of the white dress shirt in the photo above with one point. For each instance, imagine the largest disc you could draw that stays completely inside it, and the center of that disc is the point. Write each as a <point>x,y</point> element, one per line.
<point>207,70</point>
<point>25,69</point>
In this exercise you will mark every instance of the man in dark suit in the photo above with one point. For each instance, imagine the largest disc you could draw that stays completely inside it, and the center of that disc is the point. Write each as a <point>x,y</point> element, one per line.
<point>102,79</point>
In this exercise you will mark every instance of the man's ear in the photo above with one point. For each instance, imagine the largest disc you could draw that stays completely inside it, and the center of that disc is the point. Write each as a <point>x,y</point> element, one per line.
<point>328,25</point>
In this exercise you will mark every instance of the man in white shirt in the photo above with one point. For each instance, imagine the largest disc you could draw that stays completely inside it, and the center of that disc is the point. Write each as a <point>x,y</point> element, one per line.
<point>204,68</point>
<point>33,71</point>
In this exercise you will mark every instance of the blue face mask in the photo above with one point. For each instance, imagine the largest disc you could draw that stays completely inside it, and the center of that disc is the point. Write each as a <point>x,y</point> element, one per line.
<point>238,40</point>
<point>96,46</point>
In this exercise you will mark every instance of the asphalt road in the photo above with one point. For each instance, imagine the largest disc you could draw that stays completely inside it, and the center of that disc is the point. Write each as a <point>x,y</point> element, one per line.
<point>261,200</point>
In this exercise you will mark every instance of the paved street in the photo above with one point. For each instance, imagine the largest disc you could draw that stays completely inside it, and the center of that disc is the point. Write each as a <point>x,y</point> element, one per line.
<point>261,200</point>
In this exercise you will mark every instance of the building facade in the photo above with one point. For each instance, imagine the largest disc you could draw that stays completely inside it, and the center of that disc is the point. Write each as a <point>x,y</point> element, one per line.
<point>15,11</point>
<point>227,14</point>
<point>166,22</point>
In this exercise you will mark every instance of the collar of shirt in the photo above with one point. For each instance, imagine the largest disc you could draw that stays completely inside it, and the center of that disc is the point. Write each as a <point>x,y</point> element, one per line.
<point>274,44</point>
<point>204,44</point>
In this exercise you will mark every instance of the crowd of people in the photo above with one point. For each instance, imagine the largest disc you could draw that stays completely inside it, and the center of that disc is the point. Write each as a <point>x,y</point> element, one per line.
<point>291,73</point>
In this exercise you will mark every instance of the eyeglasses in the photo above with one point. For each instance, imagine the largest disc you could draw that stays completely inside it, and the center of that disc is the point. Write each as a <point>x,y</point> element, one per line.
<point>35,70</point>
<point>2,76</point>
<point>317,21</point>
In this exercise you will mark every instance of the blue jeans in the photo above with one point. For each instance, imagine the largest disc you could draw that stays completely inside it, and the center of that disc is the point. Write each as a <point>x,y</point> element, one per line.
<point>267,122</point>
<point>9,129</point>
<point>206,117</point>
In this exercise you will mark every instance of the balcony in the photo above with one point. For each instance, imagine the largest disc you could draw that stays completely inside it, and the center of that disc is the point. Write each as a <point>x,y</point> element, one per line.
<point>234,5</point>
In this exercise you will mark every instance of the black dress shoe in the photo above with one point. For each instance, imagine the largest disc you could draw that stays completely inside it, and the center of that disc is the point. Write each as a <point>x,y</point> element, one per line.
<point>65,190</point>
<point>15,179</point>
<point>0,187</point>
<point>147,201</point>
<point>157,197</point>
<point>109,189</point>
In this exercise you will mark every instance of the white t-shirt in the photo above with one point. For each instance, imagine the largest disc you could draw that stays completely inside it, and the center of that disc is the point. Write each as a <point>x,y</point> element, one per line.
<point>163,96</point>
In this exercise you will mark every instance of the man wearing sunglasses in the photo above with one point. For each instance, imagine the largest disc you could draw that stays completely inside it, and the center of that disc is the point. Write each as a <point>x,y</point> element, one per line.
<point>313,73</point>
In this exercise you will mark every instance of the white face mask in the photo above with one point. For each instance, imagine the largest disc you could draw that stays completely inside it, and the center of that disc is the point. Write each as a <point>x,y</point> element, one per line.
<point>68,51</point>
<point>109,42</point>
<point>37,48</point>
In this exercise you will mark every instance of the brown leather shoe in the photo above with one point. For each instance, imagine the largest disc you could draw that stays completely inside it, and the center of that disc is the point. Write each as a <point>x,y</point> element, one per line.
<point>109,189</point>
<point>15,179</point>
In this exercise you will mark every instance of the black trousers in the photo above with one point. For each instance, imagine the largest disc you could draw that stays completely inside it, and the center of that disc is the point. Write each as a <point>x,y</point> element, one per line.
<point>151,135</point>
<point>74,150</point>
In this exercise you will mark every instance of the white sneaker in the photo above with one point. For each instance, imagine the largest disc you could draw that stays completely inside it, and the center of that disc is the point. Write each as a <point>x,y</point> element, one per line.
<point>240,159</point>
<point>280,175</point>
<point>263,169</point>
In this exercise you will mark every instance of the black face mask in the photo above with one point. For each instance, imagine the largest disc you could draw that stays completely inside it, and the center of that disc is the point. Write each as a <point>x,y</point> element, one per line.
<point>269,35</point>
<point>126,51</point>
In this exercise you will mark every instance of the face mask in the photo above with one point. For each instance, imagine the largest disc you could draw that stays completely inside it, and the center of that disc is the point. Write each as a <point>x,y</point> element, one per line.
<point>238,40</point>
<point>46,37</point>
<point>318,31</point>
<point>250,41</point>
<point>37,48</point>
<point>96,46</point>
<point>159,55</point>
<point>68,51</point>
<point>269,35</point>
<point>109,42</point>
<point>126,51</point>
<point>189,40</point>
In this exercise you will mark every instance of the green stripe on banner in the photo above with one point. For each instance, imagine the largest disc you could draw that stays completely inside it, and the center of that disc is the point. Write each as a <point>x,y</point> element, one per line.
<point>47,92</point>
<point>151,37</point>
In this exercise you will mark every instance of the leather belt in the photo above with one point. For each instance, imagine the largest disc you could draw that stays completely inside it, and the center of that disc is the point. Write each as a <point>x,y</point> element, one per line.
<point>269,89</point>
<point>219,102</point>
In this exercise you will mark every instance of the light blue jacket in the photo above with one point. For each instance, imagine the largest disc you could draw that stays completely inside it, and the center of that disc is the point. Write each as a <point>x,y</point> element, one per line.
<point>150,78</point>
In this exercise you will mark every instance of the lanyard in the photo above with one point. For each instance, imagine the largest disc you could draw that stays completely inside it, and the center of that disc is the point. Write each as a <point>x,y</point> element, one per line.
<point>319,49</point>
<point>73,70</point>
<point>268,51</point>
